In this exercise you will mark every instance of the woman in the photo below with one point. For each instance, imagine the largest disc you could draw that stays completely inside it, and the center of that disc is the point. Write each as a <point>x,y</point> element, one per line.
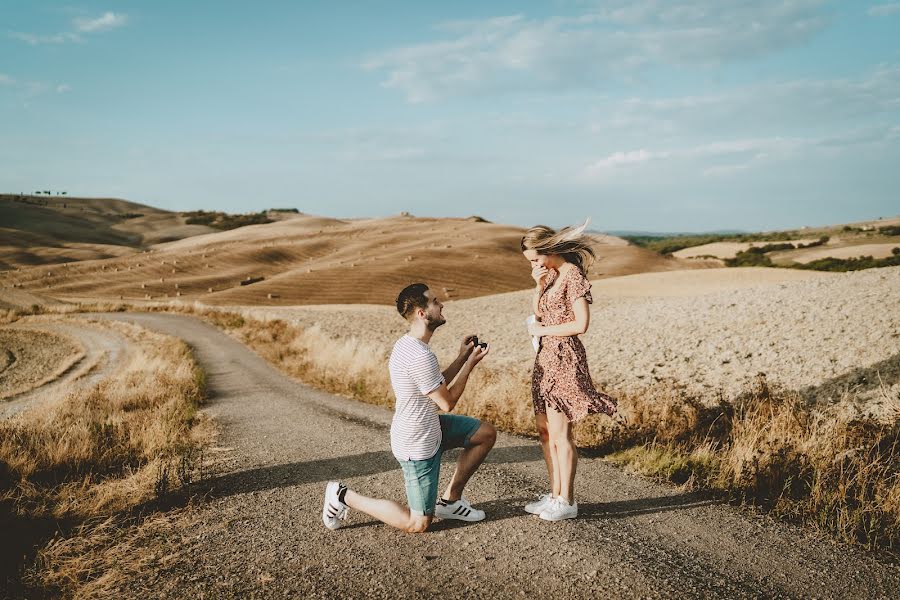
<point>561,386</point>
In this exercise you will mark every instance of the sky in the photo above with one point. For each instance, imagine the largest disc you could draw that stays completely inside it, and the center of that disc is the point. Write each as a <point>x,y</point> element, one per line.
<point>645,115</point>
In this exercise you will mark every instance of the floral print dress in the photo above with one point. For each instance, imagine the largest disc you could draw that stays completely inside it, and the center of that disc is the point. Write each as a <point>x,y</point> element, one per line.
<point>561,377</point>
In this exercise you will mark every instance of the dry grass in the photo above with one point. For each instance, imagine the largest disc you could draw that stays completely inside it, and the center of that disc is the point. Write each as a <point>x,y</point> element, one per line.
<point>100,452</point>
<point>837,468</point>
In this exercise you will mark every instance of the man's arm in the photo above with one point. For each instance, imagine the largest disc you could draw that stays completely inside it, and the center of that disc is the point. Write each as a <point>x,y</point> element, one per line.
<point>464,351</point>
<point>446,396</point>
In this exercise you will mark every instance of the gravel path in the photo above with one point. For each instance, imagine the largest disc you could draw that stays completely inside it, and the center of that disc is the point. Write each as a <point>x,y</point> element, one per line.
<point>259,533</point>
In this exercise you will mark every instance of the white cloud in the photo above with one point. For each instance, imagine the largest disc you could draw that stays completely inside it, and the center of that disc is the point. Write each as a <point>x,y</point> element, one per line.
<point>729,157</point>
<point>7,80</point>
<point>105,22</point>
<point>622,159</point>
<point>767,107</point>
<point>34,39</point>
<point>63,88</point>
<point>884,10</point>
<point>509,53</point>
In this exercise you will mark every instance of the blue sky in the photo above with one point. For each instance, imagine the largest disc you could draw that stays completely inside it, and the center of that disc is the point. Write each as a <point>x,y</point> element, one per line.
<point>643,114</point>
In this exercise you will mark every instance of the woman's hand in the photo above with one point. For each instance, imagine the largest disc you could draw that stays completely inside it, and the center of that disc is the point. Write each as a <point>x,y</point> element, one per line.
<point>536,329</point>
<point>539,274</point>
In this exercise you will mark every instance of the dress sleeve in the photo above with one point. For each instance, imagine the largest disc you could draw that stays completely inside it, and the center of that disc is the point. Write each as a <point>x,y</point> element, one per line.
<point>578,286</point>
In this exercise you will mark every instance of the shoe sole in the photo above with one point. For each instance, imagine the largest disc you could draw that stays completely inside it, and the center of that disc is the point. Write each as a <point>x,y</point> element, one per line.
<point>328,488</point>
<point>575,516</point>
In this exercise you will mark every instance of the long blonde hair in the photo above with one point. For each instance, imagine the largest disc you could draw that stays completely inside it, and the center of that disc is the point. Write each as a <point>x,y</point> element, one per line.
<point>569,242</point>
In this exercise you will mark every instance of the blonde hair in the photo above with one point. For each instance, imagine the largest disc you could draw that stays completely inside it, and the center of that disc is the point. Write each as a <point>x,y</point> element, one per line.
<point>569,242</point>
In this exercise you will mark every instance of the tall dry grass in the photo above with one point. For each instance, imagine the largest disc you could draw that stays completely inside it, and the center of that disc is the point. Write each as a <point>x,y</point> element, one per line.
<point>837,468</point>
<point>102,451</point>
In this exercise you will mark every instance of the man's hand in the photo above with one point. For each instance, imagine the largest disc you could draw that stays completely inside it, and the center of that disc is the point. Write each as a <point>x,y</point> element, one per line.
<point>466,345</point>
<point>477,354</point>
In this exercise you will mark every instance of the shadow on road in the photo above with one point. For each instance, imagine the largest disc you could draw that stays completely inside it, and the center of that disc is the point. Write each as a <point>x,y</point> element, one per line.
<point>643,506</point>
<point>345,467</point>
<point>508,508</point>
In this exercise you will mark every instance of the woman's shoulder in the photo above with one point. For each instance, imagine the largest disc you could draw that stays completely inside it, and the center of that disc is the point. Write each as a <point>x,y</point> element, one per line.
<point>574,273</point>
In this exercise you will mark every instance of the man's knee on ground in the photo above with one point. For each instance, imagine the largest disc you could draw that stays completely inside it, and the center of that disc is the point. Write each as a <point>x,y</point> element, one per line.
<point>418,523</point>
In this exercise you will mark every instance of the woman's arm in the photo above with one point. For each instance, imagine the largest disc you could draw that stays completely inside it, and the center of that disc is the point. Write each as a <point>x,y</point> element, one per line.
<point>535,302</point>
<point>581,323</point>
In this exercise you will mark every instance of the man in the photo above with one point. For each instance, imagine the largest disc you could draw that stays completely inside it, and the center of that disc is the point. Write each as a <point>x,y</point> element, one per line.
<point>418,433</point>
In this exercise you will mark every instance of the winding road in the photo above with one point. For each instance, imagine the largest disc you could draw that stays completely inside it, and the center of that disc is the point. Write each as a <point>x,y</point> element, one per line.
<point>259,533</point>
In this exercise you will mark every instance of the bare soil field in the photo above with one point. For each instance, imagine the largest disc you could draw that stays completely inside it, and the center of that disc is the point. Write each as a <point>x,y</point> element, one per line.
<point>31,357</point>
<point>708,332</point>
<point>728,249</point>
<point>806,255</point>
<point>14,299</point>
<point>313,260</point>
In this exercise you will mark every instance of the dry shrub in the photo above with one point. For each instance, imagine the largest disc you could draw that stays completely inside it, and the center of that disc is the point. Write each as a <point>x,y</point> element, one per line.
<point>837,468</point>
<point>101,451</point>
<point>75,458</point>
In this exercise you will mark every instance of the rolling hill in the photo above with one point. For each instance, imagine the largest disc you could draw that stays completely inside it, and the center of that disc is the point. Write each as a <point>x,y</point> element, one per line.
<point>317,260</point>
<point>41,230</point>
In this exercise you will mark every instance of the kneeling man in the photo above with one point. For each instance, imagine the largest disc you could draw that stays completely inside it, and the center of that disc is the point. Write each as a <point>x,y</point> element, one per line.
<point>418,433</point>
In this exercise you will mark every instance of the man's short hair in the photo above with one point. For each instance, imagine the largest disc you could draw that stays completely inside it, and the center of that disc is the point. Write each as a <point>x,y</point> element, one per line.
<point>411,298</point>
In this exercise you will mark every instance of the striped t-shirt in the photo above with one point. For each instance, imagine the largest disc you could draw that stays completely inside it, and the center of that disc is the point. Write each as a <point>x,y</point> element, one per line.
<point>416,429</point>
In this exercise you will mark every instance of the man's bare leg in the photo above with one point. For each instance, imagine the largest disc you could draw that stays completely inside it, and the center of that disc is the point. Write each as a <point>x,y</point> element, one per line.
<point>389,512</point>
<point>469,460</point>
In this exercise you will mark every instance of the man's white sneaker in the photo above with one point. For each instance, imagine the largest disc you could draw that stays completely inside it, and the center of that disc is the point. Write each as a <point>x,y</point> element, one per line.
<point>559,509</point>
<point>333,510</point>
<point>461,509</point>
<point>538,506</point>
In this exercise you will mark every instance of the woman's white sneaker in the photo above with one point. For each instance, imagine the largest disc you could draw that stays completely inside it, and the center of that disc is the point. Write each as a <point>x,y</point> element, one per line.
<point>559,509</point>
<point>538,506</point>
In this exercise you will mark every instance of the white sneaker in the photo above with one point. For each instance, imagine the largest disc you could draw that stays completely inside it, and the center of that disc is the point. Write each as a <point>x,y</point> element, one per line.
<point>461,509</point>
<point>333,510</point>
<point>559,509</point>
<point>538,506</point>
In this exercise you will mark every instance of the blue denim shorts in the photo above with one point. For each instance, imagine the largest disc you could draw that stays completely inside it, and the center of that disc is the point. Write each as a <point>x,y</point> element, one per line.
<point>421,476</point>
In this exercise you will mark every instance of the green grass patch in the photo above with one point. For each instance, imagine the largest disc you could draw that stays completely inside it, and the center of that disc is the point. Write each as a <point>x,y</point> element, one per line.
<point>225,221</point>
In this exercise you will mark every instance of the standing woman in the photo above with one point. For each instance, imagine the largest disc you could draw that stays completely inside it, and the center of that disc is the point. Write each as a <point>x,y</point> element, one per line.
<point>561,386</point>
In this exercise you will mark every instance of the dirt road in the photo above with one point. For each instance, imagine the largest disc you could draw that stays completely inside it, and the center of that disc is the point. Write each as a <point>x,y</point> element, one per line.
<point>259,534</point>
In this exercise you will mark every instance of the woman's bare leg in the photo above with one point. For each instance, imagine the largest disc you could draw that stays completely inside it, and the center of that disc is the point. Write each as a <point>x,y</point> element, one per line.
<point>565,453</point>
<point>540,421</point>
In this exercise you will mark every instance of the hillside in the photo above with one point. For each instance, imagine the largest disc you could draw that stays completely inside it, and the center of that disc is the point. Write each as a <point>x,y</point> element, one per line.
<point>40,230</point>
<point>316,260</point>
<point>846,241</point>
